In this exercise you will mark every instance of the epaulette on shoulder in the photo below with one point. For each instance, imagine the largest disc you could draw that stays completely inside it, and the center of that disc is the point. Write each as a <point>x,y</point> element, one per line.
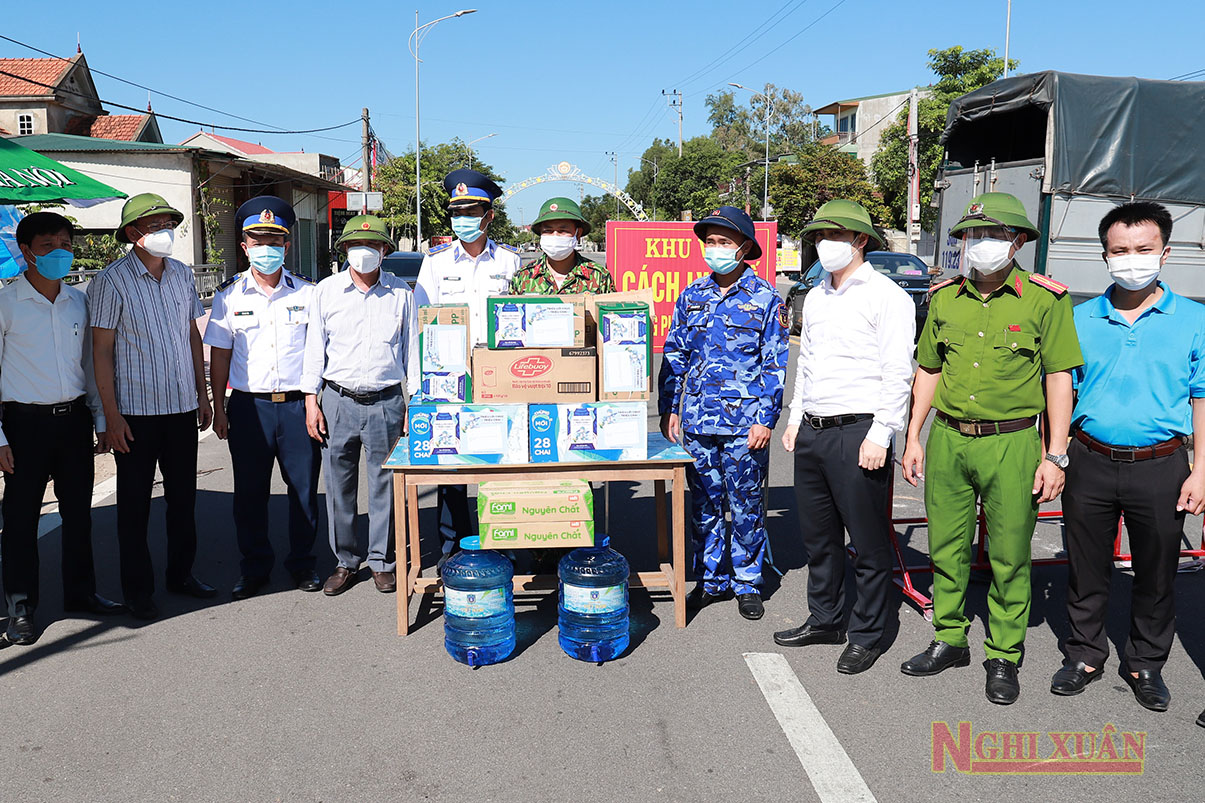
<point>940,285</point>
<point>438,248</point>
<point>1058,288</point>
<point>228,282</point>
<point>302,279</point>
<point>508,247</point>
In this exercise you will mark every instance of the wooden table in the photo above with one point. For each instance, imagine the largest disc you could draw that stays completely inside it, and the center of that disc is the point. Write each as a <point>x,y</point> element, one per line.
<point>666,462</point>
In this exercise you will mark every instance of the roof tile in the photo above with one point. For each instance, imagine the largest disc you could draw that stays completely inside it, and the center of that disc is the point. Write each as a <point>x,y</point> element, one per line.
<point>42,71</point>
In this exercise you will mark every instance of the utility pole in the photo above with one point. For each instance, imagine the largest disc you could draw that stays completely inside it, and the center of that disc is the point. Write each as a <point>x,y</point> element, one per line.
<point>1008,23</point>
<point>615,162</point>
<point>913,175</point>
<point>366,151</point>
<point>675,102</point>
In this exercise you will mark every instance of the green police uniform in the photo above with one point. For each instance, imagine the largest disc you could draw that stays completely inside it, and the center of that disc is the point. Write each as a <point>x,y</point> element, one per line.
<point>992,352</point>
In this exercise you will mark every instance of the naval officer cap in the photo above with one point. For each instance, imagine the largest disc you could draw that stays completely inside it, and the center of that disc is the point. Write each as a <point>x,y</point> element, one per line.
<point>266,214</point>
<point>468,187</point>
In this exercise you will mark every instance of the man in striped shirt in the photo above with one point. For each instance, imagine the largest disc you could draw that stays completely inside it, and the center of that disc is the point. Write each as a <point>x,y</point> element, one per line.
<point>150,374</point>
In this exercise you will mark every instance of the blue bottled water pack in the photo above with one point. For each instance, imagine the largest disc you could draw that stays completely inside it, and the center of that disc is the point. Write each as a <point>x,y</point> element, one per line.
<point>479,605</point>
<point>592,609</point>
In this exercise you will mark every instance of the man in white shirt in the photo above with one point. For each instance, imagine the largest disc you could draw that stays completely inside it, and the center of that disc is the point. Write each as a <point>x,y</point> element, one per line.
<point>361,354</point>
<point>256,334</point>
<point>467,271</point>
<point>851,397</point>
<point>50,405</point>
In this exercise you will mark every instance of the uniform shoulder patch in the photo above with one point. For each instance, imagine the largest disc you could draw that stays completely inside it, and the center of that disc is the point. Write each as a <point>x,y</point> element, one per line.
<point>940,285</point>
<point>1058,288</point>
<point>228,282</point>
<point>782,314</point>
<point>511,248</point>
<point>438,248</point>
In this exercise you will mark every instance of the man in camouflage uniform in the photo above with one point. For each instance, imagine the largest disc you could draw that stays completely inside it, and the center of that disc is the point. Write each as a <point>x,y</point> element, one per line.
<point>721,387</point>
<point>560,227</point>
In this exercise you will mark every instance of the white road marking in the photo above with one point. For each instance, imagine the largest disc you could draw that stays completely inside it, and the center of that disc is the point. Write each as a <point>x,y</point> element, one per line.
<point>828,766</point>
<point>51,520</point>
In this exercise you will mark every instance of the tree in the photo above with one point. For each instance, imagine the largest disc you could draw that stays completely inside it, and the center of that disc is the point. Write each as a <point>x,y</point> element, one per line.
<point>958,72</point>
<point>597,209</point>
<point>822,174</point>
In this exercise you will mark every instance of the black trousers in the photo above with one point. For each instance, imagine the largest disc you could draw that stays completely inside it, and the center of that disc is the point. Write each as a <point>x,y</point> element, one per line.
<point>169,441</point>
<point>833,495</point>
<point>44,448</point>
<point>1097,493</point>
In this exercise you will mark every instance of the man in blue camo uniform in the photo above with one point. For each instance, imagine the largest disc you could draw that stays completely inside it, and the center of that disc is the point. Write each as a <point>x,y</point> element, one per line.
<point>720,390</point>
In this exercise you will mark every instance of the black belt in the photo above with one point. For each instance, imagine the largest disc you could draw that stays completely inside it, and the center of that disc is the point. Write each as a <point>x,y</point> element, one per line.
<point>278,397</point>
<point>978,429</point>
<point>1129,454</point>
<point>368,397</point>
<point>66,408</point>
<point>829,421</point>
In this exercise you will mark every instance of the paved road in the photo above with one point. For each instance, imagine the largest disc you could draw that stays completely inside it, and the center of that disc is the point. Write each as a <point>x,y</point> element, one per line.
<point>297,697</point>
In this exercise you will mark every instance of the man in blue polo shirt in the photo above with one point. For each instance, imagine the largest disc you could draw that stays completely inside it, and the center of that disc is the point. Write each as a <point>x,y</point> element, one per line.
<point>1141,393</point>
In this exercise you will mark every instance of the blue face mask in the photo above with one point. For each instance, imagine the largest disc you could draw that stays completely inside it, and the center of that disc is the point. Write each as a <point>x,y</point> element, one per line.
<point>467,228</point>
<point>721,260</point>
<point>266,258</point>
<point>54,265</point>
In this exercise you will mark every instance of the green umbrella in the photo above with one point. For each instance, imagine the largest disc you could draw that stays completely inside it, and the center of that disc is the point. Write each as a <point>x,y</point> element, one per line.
<point>28,177</point>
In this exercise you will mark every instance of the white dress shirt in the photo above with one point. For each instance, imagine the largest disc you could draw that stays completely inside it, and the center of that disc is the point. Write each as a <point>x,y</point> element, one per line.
<point>363,341</point>
<point>266,332</point>
<point>450,276</point>
<point>46,349</point>
<point>855,352</point>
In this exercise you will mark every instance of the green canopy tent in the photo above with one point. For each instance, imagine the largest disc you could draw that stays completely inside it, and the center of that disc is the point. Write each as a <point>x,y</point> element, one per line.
<point>28,177</point>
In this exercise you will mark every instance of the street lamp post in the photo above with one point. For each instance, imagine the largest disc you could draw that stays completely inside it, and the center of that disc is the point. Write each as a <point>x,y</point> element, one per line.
<point>653,161</point>
<point>765,202</point>
<point>615,162</point>
<point>416,39</point>
<point>468,146</point>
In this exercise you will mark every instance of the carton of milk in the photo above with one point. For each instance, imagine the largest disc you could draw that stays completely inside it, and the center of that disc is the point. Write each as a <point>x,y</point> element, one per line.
<point>577,433</point>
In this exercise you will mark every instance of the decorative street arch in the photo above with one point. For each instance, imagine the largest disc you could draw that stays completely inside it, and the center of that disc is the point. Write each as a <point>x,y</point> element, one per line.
<point>563,171</point>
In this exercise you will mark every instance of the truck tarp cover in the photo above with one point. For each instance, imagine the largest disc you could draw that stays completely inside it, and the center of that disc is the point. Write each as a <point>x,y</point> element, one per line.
<point>1116,137</point>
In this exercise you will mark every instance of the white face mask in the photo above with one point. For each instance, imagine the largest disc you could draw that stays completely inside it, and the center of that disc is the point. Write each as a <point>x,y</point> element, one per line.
<point>159,243</point>
<point>363,258</point>
<point>984,255</point>
<point>557,246</point>
<point>834,254</point>
<point>1134,271</point>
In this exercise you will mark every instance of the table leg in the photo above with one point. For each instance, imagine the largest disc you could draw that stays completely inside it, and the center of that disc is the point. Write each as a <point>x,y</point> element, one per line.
<point>679,525</point>
<point>662,528</point>
<point>400,531</point>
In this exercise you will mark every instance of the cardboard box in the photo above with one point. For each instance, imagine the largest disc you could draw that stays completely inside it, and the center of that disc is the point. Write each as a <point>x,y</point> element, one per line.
<point>538,534</point>
<point>625,351</point>
<point>535,375</point>
<point>445,344</point>
<point>445,387</point>
<point>516,322</point>
<point>646,295</point>
<point>467,434</point>
<point>512,502</point>
<point>579,433</point>
<point>447,314</point>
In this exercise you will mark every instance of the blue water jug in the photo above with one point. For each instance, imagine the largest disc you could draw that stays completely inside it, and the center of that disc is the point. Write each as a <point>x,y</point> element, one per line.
<point>593,608</point>
<point>479,605</point>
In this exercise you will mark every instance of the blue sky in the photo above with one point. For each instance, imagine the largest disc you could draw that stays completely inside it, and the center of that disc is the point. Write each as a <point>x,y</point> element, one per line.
<point>568,80</point>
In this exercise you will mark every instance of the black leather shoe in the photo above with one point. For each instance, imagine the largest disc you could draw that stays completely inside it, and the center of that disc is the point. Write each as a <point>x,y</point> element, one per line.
<point>94,604</point>
<point>938,657</point>
<point>699,599</point>
<point>808,634</point>
<point>1201,719</point>
<point>144,608</point>
<point>1149,689</point>
<point>1073,678</point>
<point>750,606</point>
<point>192,587</point>
<point>20,630</point>
<point>1002,686</point>
<point>247,587</point>
<point>307,581</point>
<point>857,658</point>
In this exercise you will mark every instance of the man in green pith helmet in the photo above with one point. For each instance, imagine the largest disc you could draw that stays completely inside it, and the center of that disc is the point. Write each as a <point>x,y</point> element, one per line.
<point>560,227</point>
<point>993,341</point>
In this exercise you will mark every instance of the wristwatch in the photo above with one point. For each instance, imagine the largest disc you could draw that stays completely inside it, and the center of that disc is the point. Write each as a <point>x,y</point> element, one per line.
<point>1060,460</point>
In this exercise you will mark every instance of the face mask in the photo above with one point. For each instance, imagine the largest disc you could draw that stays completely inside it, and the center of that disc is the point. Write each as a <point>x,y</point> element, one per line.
<point>986,255</point>
<point>1131,271</point>
<point>266,258</point>
<point>159,243</point>
<point>834,254</point>
<point>467,228</point>
<point>363,258</point>
<point>54,265</point>
<point>557,246</point>
<point>720,260</point>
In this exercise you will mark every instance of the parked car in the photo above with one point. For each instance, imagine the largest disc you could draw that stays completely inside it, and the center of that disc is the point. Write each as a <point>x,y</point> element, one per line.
<point>906,270</point>
<point>404,264</point>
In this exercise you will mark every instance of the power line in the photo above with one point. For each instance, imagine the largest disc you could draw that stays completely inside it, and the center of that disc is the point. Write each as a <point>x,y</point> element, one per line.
<point>1188,76</point>
<point>180,119</point>
<point>750,37</point>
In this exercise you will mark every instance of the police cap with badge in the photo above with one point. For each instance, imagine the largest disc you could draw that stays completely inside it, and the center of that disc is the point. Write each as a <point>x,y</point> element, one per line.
<point>468,188</point>
<point>266,214</point>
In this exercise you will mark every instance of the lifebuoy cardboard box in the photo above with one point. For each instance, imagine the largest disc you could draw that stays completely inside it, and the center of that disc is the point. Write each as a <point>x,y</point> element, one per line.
<point>445,344</point>
<point>535,375</point>
<point>535,514</point>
